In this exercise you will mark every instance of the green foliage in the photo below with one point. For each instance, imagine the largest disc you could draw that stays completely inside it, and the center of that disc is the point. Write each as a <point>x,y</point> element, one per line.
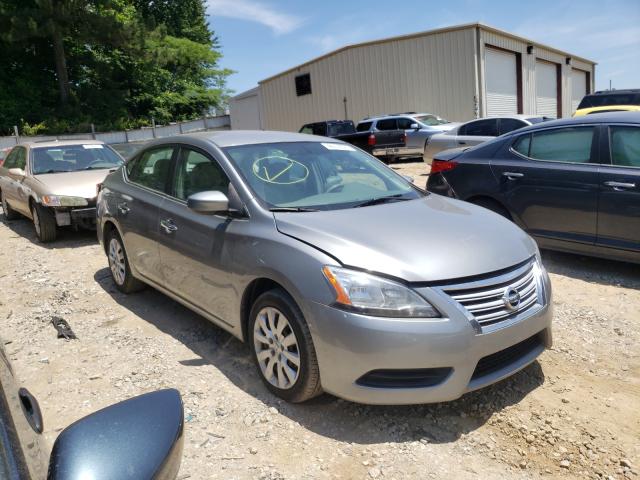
<point>114,63</point>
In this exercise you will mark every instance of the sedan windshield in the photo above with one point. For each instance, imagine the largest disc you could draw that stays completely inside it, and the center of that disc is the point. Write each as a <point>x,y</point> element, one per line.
<point>307,176</point>
<point>431,120</point>
<point>72,158</point>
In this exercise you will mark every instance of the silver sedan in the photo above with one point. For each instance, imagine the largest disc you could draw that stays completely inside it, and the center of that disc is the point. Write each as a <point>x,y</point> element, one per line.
<point>340,275</point>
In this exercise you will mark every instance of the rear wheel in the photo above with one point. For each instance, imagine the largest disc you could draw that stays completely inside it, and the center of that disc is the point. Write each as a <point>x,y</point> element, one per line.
<point>282,347</point>
<point>9,213</point>
<point>119,265</point>
<point>44,222</point>
<point>492,205</point>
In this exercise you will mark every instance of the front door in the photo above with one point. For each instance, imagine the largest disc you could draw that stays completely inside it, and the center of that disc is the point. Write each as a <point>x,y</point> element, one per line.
<point>12,185</point>
<point>194,247</point>
<point>549,180</point>
<point>619,206</point>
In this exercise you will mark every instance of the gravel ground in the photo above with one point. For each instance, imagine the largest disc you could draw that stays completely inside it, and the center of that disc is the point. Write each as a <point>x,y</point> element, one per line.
<point>574,413</point>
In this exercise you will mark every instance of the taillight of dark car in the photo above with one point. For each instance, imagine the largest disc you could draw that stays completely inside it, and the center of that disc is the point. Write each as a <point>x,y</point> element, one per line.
<point>438,166</point>
<point>371,141</point>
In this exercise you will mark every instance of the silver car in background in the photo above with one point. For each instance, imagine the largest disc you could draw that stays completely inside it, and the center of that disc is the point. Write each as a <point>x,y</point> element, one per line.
<point>55,183</point>
<point>340,275</point>
<point>419,128</point>
<point>477,131</point>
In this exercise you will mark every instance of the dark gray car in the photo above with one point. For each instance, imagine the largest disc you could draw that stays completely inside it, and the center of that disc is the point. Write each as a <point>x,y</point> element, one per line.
<point>572,184</point>
<point>340,274</point>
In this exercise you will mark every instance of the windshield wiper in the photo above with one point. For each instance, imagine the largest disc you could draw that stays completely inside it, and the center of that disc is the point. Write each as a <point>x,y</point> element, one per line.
<point>293,209</point>
<point>377,201</point>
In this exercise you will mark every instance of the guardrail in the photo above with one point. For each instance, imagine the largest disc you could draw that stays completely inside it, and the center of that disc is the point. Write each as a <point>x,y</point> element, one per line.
<point>221,122</point>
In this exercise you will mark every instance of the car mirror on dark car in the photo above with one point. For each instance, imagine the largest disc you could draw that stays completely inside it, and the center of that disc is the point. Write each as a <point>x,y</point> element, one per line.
<point>140,438</point>
<point>212,201</point>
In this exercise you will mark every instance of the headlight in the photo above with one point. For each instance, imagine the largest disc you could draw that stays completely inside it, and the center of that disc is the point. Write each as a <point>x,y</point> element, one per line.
<point>62,201</point>
<point>371,295</point>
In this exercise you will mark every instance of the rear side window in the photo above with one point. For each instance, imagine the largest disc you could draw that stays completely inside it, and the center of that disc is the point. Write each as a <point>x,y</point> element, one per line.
<point>151,169</point>
<point>481,128</point>
<point>522,145</point>
<point>306,129</point>
<point>364,126</point>
<point>10,162</point>
<point>562,145</point>
<point>342,128</point>
<point>510,124</point>
<point>387,124</point>
<point>625,146</point>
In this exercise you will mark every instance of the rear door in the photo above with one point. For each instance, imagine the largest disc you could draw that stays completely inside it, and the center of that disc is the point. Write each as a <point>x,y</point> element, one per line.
<point>194,247</point>
<point>137,205</point>
<point>619,205</point>
<point>549,180</point>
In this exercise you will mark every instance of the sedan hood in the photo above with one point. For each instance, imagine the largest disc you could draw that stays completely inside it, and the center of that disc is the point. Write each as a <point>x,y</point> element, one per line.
<point>430,239</point>
<point>73,184</point>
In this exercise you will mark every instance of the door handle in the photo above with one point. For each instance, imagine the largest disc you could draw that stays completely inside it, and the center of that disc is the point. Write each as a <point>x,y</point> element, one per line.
<point>460,142</point>
<point>620,185</point>
<point>124,208</point>
<point>512,175</point>
<point>168,226</point>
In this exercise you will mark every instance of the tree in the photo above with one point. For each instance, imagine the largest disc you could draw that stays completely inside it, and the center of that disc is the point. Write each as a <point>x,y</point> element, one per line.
<point>114,63</point>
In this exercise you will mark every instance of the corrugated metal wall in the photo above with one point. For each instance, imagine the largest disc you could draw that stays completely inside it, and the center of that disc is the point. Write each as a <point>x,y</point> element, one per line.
<point>431,73</point>
<point>529,69</point>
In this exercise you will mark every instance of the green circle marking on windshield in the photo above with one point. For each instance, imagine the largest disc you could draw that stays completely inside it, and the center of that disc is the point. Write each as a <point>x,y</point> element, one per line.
<point>279,170</point>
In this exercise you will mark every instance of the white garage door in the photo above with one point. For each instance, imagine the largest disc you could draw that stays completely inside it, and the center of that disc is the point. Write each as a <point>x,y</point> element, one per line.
<point>546,89</point>
<point>245,113</point>
<point>578,88</point>
<point>501,83</point>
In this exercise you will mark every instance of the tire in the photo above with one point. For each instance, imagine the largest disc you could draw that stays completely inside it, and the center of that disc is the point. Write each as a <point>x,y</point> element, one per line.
<point>44,222</point>
<point>9,213</point>
<point>269,339</point>
<point>492,205</point>
<point>119,265</point>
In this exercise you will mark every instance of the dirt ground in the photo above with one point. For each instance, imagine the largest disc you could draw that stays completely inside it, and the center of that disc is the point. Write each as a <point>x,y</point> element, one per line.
<point>575,413</point>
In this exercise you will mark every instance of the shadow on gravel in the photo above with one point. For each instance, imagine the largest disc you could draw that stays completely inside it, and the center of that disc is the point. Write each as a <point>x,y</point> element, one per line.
<point>325,415</point>
<point>67,236</point>
<point>591,269</point>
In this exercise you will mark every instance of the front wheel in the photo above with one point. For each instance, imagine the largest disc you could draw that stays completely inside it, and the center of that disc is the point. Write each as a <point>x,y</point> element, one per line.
<point>44,222</point>
<point>282,347</point>
<point>9,213</point>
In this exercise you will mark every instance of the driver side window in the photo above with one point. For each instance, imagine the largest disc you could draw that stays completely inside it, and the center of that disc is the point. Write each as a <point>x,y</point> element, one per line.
<point>198,173</point>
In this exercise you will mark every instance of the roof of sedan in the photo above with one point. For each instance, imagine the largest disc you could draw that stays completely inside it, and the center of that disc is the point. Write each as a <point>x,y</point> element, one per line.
<point>230,138</point>
<point>612,117</point>
<point>61,143</point>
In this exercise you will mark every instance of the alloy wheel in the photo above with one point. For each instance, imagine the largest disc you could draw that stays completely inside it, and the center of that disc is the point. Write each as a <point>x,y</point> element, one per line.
<point>276,348</point>
<point>117,262</point>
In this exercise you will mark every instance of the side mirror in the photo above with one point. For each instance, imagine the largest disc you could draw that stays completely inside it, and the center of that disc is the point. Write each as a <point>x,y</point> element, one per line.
<point>139,438</point>
<point>415,126</point>
<point>408,178</point>
<point>16,172</point>
<point>212,201</point>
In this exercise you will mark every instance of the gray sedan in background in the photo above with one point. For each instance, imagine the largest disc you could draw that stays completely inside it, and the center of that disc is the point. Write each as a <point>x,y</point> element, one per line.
<point>341,276</point>
<point>477,131</point>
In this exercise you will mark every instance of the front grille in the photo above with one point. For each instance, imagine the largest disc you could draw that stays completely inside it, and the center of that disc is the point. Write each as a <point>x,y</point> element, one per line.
<point>412,378</point>
<point>496,361</point>
<point>487,299</point>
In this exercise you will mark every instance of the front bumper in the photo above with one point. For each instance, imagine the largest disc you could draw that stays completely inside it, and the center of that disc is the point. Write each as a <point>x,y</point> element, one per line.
<point>76,217</point>
<point>349,346</point>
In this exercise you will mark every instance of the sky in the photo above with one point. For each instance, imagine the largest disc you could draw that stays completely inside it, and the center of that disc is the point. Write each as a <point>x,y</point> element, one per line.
<point>260,38</point>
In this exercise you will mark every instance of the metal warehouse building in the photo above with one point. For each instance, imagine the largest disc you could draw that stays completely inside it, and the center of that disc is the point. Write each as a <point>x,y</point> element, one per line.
<point>460,73</point>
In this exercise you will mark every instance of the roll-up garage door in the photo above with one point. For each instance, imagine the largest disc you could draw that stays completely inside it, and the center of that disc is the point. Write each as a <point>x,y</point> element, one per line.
<point>546,89</point>
<point>501,83</point>
<point>578,88</point>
